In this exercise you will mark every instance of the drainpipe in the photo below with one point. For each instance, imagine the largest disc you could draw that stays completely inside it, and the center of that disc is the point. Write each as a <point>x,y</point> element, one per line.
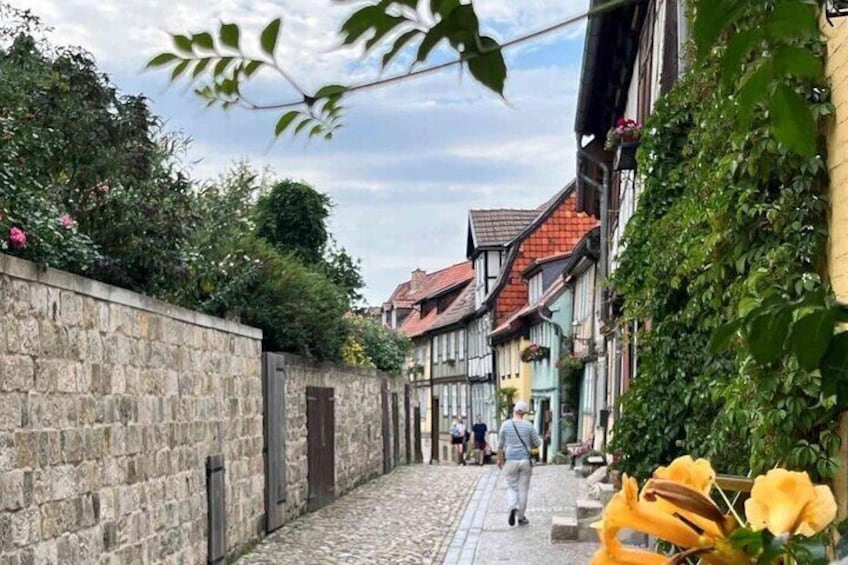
<point>602,268</point>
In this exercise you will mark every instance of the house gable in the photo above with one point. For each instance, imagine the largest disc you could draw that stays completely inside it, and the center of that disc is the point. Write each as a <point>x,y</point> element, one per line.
<point>557,230</point>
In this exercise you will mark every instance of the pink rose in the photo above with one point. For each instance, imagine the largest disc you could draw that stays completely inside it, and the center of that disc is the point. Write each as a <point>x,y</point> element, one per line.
<point>67,221</point>
<point>17,237</point>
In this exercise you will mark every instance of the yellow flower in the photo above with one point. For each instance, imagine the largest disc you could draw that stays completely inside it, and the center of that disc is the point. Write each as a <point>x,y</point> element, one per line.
<point>612,552</point>
<point>698,474</point>
<point>626,510</point>
<point>786,502</point>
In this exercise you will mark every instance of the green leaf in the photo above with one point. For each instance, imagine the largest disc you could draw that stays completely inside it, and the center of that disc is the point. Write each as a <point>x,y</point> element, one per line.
<point>767,333</point>
<point>316,130</point>
<point>203,40</point>
<point>754,89</point>
<point>229,35</point>
<point>252,67</point>
<point>792,121</point>
<point>443,8</point>
<point>221,66</point>
<point>268,39</point>
<point>747,540</point>
<point>200,66</point>
<point>711,18</point>
<point>737,48</point>
<point>302,125</point>
<point>489,69</point>
<point>178,70</point>
<point>798,62</point>
<point>398,45</point>
<point>361,21</point>
<point>811,335</point>
<point>721,336</point>
<point>834,369</point>
<point>285,121</point>
<point>792,19</point>
<point>183,43</point>
<point>161,59</point>
<point>382,27</point>
<point>330,90</point>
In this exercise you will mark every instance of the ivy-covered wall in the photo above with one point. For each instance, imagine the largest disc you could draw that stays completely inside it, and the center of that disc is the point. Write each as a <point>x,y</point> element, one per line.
<point>725,220</point>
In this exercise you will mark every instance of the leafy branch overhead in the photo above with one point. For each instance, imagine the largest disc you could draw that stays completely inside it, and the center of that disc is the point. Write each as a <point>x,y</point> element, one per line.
<point>763,66</point>
<point>219,66</point>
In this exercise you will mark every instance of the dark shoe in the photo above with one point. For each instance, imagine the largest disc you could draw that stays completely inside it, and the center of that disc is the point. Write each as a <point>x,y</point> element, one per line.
<point>523,522</point>
<point>512,514</point>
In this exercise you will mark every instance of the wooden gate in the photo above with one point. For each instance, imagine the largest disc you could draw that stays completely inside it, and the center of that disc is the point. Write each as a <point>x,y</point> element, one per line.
<point>434,431</point>
<point>387,446</point>
<point>407,409</point>
<point>419,455</point>
<point>395,430</point>
<point>321,446</point>
<point>274,403</point>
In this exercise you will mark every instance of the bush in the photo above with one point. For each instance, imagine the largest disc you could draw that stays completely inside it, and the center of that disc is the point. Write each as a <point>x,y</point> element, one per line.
<point>370,344</point>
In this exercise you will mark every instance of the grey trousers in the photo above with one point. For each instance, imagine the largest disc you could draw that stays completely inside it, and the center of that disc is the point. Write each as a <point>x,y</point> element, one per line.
<point>518,473</point>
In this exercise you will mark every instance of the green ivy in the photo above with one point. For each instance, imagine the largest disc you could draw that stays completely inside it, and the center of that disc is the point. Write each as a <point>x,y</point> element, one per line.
<point>728,217</point>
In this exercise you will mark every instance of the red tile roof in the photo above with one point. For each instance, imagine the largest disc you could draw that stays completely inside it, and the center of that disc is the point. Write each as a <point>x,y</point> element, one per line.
<point>515,320</point>
<point>557,230</point>
<point>451,279</point>
<point>405,295</point>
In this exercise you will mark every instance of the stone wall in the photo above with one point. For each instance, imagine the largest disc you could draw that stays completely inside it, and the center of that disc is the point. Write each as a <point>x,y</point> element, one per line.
<point>110,403</point>
<point>358,419</point>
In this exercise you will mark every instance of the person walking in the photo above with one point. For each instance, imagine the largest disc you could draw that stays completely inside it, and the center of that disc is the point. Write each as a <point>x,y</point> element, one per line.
<point>480,432</point>
<point>457,433</point>
<point>514,441</point>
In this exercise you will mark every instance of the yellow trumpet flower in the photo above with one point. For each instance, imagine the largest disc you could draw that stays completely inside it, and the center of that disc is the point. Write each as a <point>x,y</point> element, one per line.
<point>626,510</point>
<point>695,473</point>
<point>787,502</point>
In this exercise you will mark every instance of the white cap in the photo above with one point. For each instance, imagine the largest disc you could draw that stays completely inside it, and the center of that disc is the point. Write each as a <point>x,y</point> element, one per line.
<point>520,407</point>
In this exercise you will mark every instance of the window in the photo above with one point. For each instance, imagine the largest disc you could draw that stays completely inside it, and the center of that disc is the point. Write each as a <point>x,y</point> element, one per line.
<point>646,56</point>
<point>437,350</point>
<point>445,401</point>
<point>588,394</point>
<point>461,340</point>
<point>536,288</point>
<point>463,401</point>
<point>454,400</point>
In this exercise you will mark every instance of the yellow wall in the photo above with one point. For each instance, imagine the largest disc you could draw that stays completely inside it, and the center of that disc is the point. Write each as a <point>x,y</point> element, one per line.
<point>525,375</point>
<point>837,148</point>
<point>837,247</point>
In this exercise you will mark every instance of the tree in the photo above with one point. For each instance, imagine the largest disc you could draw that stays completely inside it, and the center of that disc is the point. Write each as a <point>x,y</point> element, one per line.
<point>292,217</point>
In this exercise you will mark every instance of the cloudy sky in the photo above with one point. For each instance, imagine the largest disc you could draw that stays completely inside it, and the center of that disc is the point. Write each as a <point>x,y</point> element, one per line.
<point>412,158</point>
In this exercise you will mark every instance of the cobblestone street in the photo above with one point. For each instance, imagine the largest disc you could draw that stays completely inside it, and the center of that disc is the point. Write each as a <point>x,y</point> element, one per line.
<point>431,515</point>
<point>406,517</point>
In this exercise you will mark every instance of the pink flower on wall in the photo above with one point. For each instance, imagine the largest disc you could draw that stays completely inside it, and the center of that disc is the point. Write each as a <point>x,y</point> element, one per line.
<point>17,238</point>
<point>67,221</point>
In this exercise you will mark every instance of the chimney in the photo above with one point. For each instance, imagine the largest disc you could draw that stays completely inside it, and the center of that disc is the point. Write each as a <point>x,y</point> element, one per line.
<point>417,279</point>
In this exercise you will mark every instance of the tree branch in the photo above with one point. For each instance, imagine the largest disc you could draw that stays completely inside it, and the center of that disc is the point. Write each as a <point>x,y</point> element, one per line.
<point>607,7</point>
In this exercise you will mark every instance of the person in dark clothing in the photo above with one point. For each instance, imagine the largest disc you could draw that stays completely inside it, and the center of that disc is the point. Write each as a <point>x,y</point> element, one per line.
<point>480,432</point>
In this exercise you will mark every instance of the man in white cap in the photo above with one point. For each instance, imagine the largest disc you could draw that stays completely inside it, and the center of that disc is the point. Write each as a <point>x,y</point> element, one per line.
<point>514,441</point>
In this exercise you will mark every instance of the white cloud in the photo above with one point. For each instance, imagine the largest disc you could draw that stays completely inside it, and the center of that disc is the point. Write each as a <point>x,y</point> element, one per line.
<point>412,159</point>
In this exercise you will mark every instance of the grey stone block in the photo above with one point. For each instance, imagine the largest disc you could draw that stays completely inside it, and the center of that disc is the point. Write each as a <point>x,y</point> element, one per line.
<point>564,529</point>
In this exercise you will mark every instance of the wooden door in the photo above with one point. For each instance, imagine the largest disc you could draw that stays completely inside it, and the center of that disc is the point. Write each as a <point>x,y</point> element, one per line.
<point>274,403</point>
<point>407,409</point>
<point>395,431</point>
<point>434,431</point>
<point>321,446</point>
<point>387,445</point>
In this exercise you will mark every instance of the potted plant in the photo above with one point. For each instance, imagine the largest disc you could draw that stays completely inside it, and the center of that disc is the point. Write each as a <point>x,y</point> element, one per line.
<point>624,138</point>
<point>535,352</point>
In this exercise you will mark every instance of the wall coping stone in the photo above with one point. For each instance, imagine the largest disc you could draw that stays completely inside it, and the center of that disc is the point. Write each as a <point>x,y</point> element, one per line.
<point>29,271</point>
<point>299,361</point>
